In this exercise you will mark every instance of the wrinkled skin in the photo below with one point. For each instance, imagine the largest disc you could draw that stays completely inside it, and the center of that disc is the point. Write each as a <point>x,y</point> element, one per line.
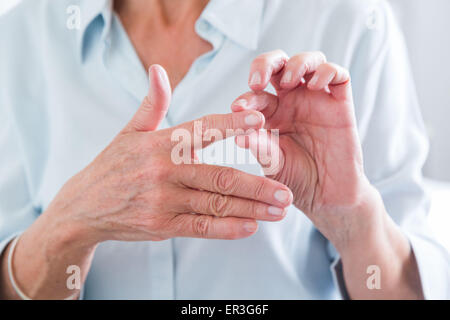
<point>321,158</point>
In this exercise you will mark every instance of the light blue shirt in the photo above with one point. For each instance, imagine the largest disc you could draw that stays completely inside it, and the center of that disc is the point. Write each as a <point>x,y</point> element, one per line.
<point>65,93</point>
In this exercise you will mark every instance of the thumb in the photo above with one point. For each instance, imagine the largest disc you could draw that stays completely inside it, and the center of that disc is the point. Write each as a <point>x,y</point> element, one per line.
<point>155,105</point>
<point>265,147</point>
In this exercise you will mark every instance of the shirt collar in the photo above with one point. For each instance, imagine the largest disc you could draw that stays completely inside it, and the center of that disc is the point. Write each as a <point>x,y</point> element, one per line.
<point>239,20</point>
<point>90,10</point>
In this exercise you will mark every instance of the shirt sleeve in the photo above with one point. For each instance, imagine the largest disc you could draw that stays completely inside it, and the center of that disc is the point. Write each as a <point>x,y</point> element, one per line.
<point>16,209</point>
<point>395,145</point>
<point>17,100</point>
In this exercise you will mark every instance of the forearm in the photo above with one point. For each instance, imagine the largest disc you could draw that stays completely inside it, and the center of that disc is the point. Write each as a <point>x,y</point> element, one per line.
<point>380,263</point>
<point>41,260</point>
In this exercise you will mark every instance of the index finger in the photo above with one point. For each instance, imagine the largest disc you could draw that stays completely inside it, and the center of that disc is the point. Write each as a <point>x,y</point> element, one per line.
<point>211,128</point>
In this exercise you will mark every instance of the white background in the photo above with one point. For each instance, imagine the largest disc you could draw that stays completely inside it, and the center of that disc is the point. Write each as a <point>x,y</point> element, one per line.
<point>426,27</point>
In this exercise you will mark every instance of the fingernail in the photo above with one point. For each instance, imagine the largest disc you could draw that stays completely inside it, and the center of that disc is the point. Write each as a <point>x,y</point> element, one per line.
<point>287,78</point>
<point>252,120</point>
<point>282,196</point>
<point>314,79</point>
<point>152,89</point>
<point>163,80</point>
<point>274,211</point>
<point>250,227</point>
<point>255,79</point>
<point>241,103</point>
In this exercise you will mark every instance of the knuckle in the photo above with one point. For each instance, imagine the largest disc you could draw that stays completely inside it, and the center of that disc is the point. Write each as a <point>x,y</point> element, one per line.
<point>277,57</point>
<point>305,57</point>
<point>260,189</point>
<point>201,225</point>
<point>265,58</point>
<point>299,57</point>
<point>345,71</point>
<point>300,60</point>
<point>218,204</point>
<point>253,210</point>
<point>320,55</point>
<point>224,180</point>
<point>324,68</point>
<point>149,141</point>
<point>207,123</point>
<point>159,172</point>
<point>330,66</point>
<point>146,104</point>
<point>280,53</point>
<point>260,61</point>
<point>347,75</point>
<point>159,197</point>
<point>340,69</point>
<point>196,204</point>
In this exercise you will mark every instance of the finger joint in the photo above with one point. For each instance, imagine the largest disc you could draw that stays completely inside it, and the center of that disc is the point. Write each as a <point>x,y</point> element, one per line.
<point>201,225</point>
<point>224,180</point>
<point>218,204</point>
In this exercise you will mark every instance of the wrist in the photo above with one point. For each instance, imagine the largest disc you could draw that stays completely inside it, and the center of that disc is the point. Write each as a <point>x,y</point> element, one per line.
<point>45,251</point>
<point>66,232</point>
<point>69,218</point>
<point>371,232</point>
<point>376,240</point>
<point>366,223</point>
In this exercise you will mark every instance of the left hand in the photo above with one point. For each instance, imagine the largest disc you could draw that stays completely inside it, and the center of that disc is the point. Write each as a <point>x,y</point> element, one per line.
<point>319,149</point>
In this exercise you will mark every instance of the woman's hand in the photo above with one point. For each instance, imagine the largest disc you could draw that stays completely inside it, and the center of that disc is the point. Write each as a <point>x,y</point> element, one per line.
<point>319,157</point>
<point>320,153</point>
<point>133,191</point>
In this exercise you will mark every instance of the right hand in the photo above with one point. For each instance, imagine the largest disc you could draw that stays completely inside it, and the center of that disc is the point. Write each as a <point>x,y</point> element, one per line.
<point>134,192</point>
